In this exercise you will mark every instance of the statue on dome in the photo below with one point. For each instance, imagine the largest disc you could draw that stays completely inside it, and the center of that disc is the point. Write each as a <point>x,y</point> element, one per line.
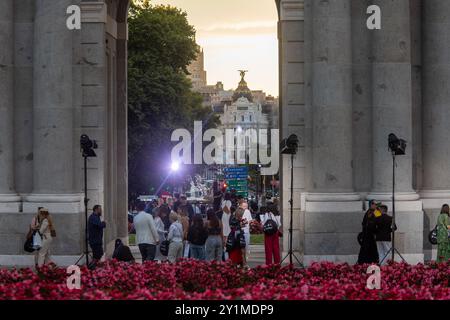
<point>242,73</point>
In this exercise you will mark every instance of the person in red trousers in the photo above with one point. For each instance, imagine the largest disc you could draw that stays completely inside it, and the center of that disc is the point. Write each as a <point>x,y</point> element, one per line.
<point>272,235</point>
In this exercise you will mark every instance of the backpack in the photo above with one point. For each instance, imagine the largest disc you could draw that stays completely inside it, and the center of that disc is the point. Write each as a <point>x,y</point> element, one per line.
<point>235,240</point>
<point>432,236</point>
<point>270,227</point>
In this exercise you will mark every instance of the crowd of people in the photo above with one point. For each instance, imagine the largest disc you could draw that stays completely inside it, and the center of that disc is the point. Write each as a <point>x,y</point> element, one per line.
<point>170,229</point>
<point>173,228</point>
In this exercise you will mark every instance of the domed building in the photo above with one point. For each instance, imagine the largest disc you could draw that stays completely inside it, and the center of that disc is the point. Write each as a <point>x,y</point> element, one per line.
<point>242,114</point>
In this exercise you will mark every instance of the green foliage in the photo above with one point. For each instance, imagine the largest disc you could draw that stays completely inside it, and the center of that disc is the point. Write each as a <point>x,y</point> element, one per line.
<point>160,99</point>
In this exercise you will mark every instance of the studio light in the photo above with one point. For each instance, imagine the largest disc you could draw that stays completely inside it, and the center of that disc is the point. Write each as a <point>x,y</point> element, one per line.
<point>289,145</point>
<point>396,145</point>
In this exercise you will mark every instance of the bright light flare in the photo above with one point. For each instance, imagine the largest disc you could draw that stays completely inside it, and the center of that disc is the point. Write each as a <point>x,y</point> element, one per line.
<point>175,166</point>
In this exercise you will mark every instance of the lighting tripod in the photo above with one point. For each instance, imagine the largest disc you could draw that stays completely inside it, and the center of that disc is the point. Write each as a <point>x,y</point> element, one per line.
<point>393,250</point>
<point>86,201</point>
<point>291,253</point>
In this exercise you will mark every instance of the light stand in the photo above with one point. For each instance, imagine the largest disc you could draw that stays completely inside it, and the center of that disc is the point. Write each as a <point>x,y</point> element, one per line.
<point>87,147</point>
<point>395,150</point>
<point>289,146</point>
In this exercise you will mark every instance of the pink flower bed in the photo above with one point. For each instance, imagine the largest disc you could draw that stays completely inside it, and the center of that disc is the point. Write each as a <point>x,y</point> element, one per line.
<point>201,280</point>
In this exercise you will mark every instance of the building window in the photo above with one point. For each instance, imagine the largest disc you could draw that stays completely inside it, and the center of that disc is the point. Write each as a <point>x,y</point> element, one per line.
<point>243,118</point>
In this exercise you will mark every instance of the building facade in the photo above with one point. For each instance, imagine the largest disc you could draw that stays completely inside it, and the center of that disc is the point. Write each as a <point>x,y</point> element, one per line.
<point>57,84</point>
<point>344,89</point>
<point>197,72</point>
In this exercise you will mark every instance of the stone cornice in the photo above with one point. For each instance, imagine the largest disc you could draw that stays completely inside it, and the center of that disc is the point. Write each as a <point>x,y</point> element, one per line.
<point>292,10</point>
<point>94,12</point>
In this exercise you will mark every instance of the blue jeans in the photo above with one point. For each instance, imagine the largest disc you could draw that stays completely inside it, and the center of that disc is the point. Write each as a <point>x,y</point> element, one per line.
<point>197,252</point>
<point>214,248</point>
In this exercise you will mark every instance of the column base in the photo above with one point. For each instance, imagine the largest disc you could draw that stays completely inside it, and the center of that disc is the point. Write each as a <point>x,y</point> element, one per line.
<point>333,221</point>
<point>55,203</point>
<point>10,203</point>
<point>434,199</point>
<point>333,202</point>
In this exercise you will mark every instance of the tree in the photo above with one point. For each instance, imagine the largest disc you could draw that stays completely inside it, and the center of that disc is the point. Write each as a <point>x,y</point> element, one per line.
<point>160,97</point>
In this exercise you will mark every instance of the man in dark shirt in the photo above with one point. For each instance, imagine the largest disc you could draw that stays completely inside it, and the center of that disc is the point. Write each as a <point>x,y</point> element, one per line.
<point>383,233</point>
<point>95,232</point>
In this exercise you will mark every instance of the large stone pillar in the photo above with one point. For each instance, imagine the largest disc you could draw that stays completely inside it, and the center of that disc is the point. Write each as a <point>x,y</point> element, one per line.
<point>436,105</point>
<point>331,196</point>
<point>53,144</point>
<point>332,97</point>
<point>392,113</point>
<point>9,201</point>
<point>294,114</point>
<point>392,97</point>
<point>23,98</point>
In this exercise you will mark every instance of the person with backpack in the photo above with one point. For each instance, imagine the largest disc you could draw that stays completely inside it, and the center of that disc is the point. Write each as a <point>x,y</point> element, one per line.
<point>270,219</point>
<point>47,232</point>
<point>235,244</point>
<point>443,226</point>
<point>197,236</point>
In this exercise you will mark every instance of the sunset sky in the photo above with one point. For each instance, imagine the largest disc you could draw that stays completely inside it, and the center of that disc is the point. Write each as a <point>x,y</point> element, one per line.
<point>236,34</point>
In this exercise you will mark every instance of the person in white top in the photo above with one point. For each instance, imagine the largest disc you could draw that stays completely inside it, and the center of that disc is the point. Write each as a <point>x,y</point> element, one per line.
<point>271,241</point>
<point>45,227</point>
<point>176,238</point>
<point>226,214</point>
<point>247,218</point>
<point>159,224</point>
<point>147,236</point>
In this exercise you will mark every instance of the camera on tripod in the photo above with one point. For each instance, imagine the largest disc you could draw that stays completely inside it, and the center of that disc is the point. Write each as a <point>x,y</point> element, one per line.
<point>87,146</point>
<point>396,145</point>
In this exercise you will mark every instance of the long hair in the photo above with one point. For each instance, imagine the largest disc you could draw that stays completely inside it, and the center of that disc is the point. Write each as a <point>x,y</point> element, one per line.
<point>44,214</point>
<point>213,221</point>
<point>445,209</point>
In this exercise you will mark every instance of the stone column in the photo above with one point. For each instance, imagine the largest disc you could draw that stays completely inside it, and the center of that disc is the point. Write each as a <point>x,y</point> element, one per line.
<point>436,102</point>
<point>392,99</point>
<point>331,194</point>
<point>436,114</point>
<point>53,181</point>
<point>9,201</point>
<point>332,97</point>
<point>392,96</point>
<point>23,98</point>
<point>294,114</point>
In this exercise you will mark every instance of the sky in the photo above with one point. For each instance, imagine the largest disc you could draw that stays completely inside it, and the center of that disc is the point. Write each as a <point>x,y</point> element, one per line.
<point>236,34</point>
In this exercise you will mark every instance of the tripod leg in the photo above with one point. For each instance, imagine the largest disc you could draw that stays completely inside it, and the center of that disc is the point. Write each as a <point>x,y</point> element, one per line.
<point>385,256</point>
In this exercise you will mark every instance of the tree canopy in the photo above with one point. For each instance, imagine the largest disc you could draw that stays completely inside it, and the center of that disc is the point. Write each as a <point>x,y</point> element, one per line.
<point>160,97</point>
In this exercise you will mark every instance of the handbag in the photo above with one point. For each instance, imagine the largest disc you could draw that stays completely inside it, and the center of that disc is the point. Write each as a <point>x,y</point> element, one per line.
<point>432,236</point>
<point>28,245</point>
<point>37,241</point>
<point>164,248</point>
